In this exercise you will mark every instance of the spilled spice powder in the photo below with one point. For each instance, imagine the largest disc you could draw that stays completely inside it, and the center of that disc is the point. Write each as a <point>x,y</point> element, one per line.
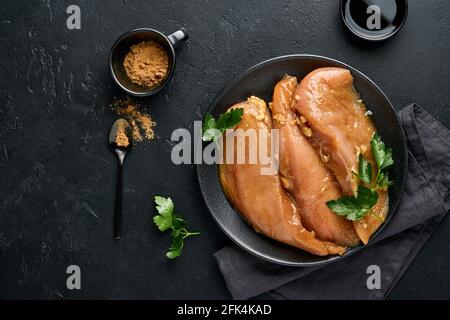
<point>141,123</point>
<point>146,64</point>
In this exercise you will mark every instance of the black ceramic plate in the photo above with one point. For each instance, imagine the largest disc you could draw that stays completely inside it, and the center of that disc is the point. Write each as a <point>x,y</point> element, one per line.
<point>260,81</point>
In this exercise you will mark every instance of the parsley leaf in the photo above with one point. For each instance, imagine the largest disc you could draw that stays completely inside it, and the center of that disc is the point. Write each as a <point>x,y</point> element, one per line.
<point>367,198</point>
<point>167,219</point>
<point>365,170</point>
<point>165,208</point>
<point>213,129</point>
<point>383,180</point>
<point>230,119</point>
<point>388,161</point>
<point>210,131</point>
<point>354,208</point>
<point>209,122</point>
<point>176,246</point>
<point>383,156</point>
<point>346,207</point>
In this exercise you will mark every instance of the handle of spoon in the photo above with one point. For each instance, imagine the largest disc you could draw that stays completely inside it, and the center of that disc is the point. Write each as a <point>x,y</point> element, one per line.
<point>118,207</point>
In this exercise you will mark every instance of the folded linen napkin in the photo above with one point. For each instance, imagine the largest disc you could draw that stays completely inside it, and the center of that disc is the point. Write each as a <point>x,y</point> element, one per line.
<point>423,205</point>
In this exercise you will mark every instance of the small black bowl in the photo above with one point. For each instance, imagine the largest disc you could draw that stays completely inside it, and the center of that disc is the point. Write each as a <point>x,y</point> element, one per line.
<point>122,46</point>
<point>392,14</point>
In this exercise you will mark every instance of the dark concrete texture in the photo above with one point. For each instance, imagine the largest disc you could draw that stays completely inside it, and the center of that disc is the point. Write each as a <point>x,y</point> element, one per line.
<point>58,175</point>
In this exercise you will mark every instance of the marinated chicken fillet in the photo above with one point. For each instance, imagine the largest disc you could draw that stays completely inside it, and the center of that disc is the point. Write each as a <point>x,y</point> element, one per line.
<point>260,198</point>
<point>340,130</point>
<point>304,174</point>
<point>371,222</point>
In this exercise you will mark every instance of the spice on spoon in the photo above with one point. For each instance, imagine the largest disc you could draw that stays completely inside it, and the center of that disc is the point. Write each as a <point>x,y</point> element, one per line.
<point>146,64</point>
<point>121,137</point>
<point>141,123</point>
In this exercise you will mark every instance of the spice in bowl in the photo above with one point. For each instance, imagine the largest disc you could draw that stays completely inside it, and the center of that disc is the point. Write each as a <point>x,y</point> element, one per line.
<point>146,64</point>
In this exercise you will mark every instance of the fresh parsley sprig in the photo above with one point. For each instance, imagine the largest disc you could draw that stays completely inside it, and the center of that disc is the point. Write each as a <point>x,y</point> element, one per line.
<point>364,170</point>
<point>167,219</point>
<point>383,158</point>
<point>354,208</point>
<point>213,129</point>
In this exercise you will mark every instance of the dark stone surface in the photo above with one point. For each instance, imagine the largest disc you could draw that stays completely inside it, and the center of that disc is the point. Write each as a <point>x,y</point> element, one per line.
<point>58,175</point>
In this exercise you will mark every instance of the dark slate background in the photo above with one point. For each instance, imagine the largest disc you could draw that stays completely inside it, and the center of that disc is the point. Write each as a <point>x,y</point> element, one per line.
<point>58,175</point>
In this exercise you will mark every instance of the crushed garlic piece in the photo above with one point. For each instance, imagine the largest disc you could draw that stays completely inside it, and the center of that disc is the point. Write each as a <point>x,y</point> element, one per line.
<point>307,132</point>
<point>279,118</point>
<point>358,151</point>
<point>363,148</point>
<point>324,157</point>
<point>260,116</point>
<point>286,183</point>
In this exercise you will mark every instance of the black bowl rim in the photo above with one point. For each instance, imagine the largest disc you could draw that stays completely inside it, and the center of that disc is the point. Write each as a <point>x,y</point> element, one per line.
<point>392,207</point>
<point>152,91</point>
<point>372,39</point>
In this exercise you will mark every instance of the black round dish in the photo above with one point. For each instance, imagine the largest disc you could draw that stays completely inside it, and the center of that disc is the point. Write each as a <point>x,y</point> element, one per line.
<point>122,46</point>
<point>260,81</point>
<point>393,17</point>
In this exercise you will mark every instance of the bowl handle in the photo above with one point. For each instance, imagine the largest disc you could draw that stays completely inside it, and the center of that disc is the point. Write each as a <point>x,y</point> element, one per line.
<point>178,37</point>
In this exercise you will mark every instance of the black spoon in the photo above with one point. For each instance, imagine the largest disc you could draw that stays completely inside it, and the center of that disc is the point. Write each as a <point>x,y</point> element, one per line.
<point>120,142</point>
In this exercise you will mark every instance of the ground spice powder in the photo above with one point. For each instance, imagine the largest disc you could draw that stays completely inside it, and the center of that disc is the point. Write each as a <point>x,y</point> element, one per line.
<point>146,64</point>
<point>141,123</point>
<point>121,138</point>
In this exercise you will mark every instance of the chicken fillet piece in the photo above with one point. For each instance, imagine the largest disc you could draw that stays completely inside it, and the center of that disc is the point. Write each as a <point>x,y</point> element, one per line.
<point>304,175</point>
<point>340,130</point>
<point>260,198</point>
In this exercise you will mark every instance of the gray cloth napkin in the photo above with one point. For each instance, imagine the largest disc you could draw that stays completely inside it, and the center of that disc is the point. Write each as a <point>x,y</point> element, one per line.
<point>424,203</point>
